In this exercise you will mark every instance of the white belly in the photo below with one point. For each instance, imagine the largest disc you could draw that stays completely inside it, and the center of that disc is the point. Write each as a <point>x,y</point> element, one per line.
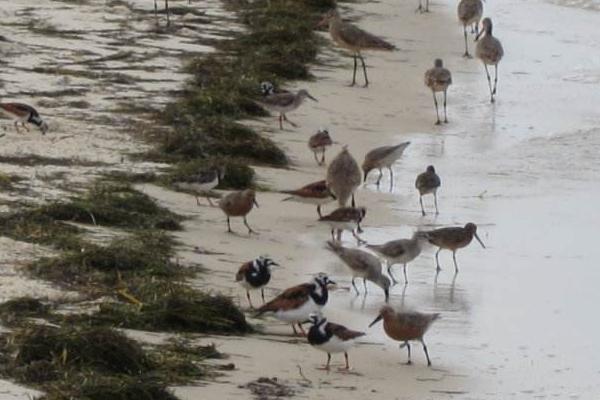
<point>335,345</point>
<point>299,314</point>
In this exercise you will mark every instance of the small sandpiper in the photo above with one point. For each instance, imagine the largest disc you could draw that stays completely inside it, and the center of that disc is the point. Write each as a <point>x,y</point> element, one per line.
<point>428,182</point>
<point>254,275</point>
<point>383,157</point>
<point>318,143</point>
<point>203,182</point>
<point>284,103</point>
<point>23,114</point>
<point>344,177</point>
<point>238,204</point>
<point>363,265</point>
<point>439,79</point>
<point>316,193</point>
<point>331,338</point>
<point>296,304</point>
<point>345,219</point>
<point>453,238</point>
<point>489,50</point>
<point>406,326</point>
<point>401,251</point>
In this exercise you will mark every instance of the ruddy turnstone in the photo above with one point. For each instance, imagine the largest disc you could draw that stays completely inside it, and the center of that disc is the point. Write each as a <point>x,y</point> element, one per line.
<point>23,114</point>
<point>238,204</point>
<point>318,143</point>
<point>254,275</point>
<point>331,338</point>
<point>405,326</point>
<point>316,193</point>
<point>345,219</point>
<point>294,305</point>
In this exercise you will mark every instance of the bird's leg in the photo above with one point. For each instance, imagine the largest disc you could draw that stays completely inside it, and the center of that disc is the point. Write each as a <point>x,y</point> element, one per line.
<point>323,158</point>
<point>353,202</point>
<point>408,349</point>
<point>250,230</point>
<point>487,73</point>
<point>391,178</point>
<point>339,235</point>
<point>209,200</point>
<point>359,241</point>
<point>435,201</point>
<point>25,126</point>
<point>319,211</point>
<point>354,72</point>
<point>466,55</point>
<point>294,328</point>
<point>445,109</point>
<point>333,234</point>
<point>421,201</point>
<point>285,118</point>
<point>495,79</point>
<point>316,158</point>
<point>262,294</point>
<point>362,60</point>
<point>354,286</point>
<point>156,12</point>
<point>17,126</point>
<point>437,113</point>
<point>405,277</point>
<point>302,331</point>
<point>427,6</point>
<point>420,8</point>
<point>437,260</point>
<point>167,10</point>
<point>455,264</point>
<point>358,228</point>
<point>389,270</point>
<point>326,367</point>
<point>380,176</point>
<point>249,301</point>
<point>365,285</point>
<point>229,226</point>
<point>347,367</point>
<point>426,352</point>
<point>281,121</point>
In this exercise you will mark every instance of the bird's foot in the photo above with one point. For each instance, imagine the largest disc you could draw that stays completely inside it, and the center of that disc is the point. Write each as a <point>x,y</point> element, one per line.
<point>446,120</point>
<point>409,362</point>
<point>467,55</point>
<point>438,122</point>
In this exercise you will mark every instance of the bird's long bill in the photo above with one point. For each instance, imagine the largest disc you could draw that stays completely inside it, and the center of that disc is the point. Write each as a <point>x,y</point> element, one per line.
<point>387,295</point>
<point>365,178</point>
<point>255,203</point>
<point>479,34</point>
<point>312,98</point>
<point>331,282</point>
<point>376,320</point>
<point>479,240</point>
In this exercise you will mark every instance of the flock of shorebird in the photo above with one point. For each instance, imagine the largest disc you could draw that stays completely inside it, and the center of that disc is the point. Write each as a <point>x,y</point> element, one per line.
<point>304,303</point>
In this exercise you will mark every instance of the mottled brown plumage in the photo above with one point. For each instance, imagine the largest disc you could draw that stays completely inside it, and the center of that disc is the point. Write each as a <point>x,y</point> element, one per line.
<point>318,143</point>
<point>490,51</point>
<point>345,219</point>
<point>469,13</point>
<point>238,204</point>
<point>428,182</point>
<point>343,177</point>
<point>438,79</point>
<point>453,238</point>
<point>316,193</point>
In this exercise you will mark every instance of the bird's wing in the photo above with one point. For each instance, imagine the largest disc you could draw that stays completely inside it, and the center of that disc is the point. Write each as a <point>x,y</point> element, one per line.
<point>278,99</point>
<point>342,332</point>
<point>357,37</point>
<point>289,299</point>
<point>427,180</point>
<point>244,269</point>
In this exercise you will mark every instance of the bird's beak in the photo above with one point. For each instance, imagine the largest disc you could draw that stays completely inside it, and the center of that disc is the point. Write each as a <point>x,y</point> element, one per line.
<point>255,203</point>
<point>387,297</point>
<point>332,196</point>
<point>312,98</point>
<point>365,178</point>
<point>376,320</point>
<point>331,282</point>
<point>479,240</point>
<point>479,34</point>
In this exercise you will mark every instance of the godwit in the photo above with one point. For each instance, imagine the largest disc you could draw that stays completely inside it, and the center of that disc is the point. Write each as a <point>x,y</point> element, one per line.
<point>238,204</point>
<point>469,13</point>
<point>453,238</point>
<point>428,183</point>
<point>343,177</point>
<point>383,157</point>
<point>254,275</point>
<point>203,182</point>
<point>489,50</point>
<point>318,143</point>
<point>363,265</point>
<point>438,79</point>
<point>331,338</point>
<point>296,304</point>
<point>345,219</point>
<point>354,39</point>
<point>314,193</point>
<point>24,114</point>
<point>401,251</point>
<point>421,8</point>
<point>284,102</point>
<point>406,326</point>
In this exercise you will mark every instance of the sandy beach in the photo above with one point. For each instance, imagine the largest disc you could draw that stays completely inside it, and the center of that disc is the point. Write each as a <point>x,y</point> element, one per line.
<point>518,321</point>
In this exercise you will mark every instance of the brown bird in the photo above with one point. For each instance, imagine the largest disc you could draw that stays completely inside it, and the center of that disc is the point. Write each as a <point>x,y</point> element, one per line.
<point>23,114</point>
<point>469,13</point>
<point>383,157</point>
<point>406,326</point>
<point>354,39</point>
<point>318,143</point>
<point>345,219</point>
<point>428,183</point>
<point>238,204</point>
<point>490,51</point>
<point>438,79</point>
<point>453,238</point>
<point>314,193</point>
<point>343,177</point>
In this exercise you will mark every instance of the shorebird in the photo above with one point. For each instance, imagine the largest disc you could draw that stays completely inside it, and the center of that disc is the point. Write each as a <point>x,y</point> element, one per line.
<point>363,265</point>
<point>203,182</point>
<point>453,238</point>
<point>254,275</point>
<point>345,219</point>
<point>406,326</point>
<point>469,13</point>
<point>383,157</point>
<point>428,182</point>
<point>294,305</point>
<point>421,8</point>
<point>343,177</point>
<point>354,39</point>
<point>331,338</point>
<point>238,204</point>
<point>283,103</point>
<point>489,50</point>
<point>318,143</point>
<point>401,251</point>
<point>23,114</point>
<point>438,79</point>
<point>314,193</point>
